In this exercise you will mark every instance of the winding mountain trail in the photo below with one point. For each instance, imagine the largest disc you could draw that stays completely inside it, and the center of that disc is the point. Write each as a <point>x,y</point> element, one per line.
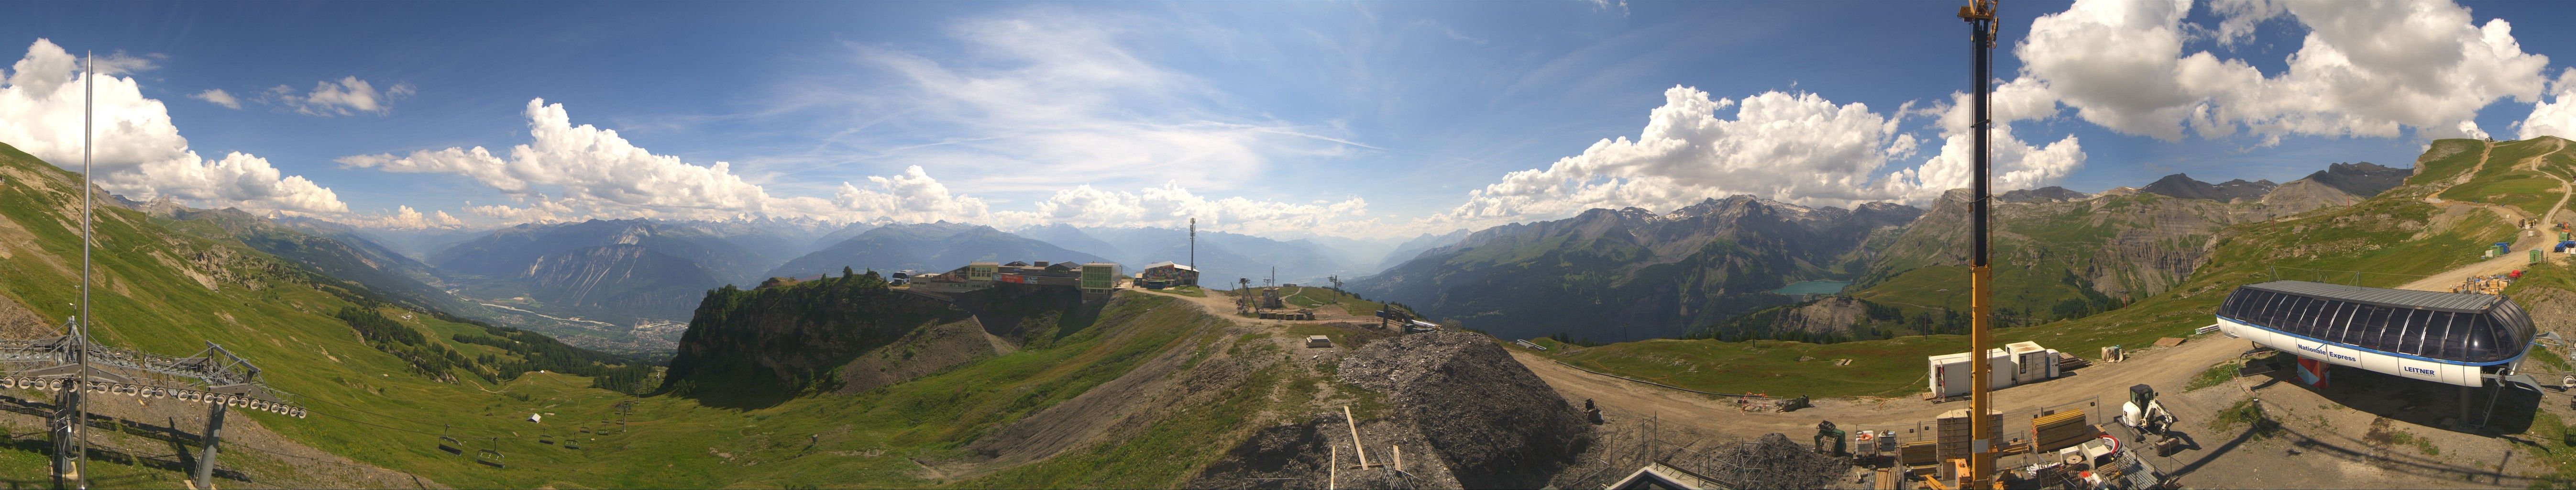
<point>2539,238</point>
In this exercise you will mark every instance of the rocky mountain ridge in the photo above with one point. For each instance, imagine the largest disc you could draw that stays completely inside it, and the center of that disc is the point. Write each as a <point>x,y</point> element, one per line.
<point>1656,273</point>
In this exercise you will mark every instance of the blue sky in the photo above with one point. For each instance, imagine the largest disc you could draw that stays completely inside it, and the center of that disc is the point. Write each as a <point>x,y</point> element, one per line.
<point>1282,118</point>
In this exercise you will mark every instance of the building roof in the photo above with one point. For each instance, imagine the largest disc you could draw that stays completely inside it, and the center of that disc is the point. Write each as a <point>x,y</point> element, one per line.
<point>1170,264</point>
<point>2401,298</point>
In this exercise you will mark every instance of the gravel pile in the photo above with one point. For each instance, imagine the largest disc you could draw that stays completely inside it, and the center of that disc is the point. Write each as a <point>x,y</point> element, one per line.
<point>1771,462</point>
<point>1492,420</point>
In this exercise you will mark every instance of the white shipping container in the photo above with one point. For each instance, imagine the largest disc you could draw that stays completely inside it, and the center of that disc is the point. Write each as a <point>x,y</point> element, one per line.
<point>1951,375</point>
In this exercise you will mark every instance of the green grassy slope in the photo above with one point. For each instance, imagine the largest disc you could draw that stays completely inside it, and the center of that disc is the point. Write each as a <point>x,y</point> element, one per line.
<point>376,408</point>
<point>2396,233</point>
<point>167,292</point>
<point>2508,181</point>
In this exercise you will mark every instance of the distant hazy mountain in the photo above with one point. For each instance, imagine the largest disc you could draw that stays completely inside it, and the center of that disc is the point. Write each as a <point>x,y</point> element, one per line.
<point>634,279</point>
<point>837,236</point>
<point>419,244</point>
<point>2363,179</point>
<point>509,252</point>
<point>2043,194</point>
<point>1357,256</point>
<point>1073,238</point>
<point>1414,247</point>
<point>346,254</point>
<point>926,247</point>
<point>329,248</point>
<point>1225,257</point>
<point>1632,273</point>
<point>2183,186</point>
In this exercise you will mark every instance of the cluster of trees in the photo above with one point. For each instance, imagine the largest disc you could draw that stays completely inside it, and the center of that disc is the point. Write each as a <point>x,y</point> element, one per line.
<point>537,352</point>
<point>436,361</point>
<point>769,342</point>
<point>534,352</point>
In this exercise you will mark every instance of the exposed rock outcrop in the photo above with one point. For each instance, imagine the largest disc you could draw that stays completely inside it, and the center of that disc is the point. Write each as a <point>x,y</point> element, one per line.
<point>2363,179</point>
<point>2183,186</point>
<point>2043,194</point>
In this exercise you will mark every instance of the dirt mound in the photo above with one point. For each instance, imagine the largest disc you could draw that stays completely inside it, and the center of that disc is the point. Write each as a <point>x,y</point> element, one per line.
<point>18,323</point>
<point>1294,455</point>
<point>1772,462</point>
<point>1492,420</point>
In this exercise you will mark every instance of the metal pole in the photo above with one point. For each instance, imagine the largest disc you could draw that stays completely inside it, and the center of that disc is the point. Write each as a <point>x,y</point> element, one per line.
<point>1980,15</point>
<point>214,431</point>
<point>80,340</point>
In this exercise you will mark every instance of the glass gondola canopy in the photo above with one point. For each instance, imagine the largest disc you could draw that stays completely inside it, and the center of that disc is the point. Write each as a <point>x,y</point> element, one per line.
<point>2450,327</point>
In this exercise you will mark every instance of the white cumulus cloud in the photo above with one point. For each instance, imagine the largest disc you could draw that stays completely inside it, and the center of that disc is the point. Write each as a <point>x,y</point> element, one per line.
<point>590,167</point>
<point>1172,206</point>
<point>343,97</point>
<point>404,218</point>
<point>2363,69</point>
<point>138,151</point>
<point>1798,148</point>
<point>2553,117</point>
<point>567,172</point>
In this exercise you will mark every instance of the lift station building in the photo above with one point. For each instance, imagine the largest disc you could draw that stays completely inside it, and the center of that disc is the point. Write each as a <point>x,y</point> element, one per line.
<point>2456,338</point>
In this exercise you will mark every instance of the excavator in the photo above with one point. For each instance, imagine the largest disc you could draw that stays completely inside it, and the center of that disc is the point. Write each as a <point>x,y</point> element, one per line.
<point>2143,413</point>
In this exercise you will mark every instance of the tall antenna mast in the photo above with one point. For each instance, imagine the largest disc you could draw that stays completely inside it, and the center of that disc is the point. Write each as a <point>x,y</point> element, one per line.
<point>1194,244</point>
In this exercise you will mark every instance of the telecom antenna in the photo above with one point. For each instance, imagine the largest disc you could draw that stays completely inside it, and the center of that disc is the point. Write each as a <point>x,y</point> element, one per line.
<point>1194,246</point>
<point>1980,15</point>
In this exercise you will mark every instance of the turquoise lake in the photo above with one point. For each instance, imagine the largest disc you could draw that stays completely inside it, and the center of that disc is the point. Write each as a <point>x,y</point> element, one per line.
<point>1814,287</point>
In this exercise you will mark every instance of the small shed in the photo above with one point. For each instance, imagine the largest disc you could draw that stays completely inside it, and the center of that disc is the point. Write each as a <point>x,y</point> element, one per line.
<point>1319,341</point>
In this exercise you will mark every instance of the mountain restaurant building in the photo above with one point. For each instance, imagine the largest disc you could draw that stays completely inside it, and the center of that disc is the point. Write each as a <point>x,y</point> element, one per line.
<point>1167,274</point>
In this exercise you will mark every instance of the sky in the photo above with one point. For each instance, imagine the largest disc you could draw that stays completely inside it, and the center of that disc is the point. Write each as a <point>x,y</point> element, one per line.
<point>1377,121</point>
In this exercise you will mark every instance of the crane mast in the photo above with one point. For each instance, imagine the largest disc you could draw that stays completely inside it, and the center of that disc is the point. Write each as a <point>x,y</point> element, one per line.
<point>1980,15</point>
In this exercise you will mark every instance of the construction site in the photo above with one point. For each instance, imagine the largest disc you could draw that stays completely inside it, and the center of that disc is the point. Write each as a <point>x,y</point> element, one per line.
<point>2290,384</point>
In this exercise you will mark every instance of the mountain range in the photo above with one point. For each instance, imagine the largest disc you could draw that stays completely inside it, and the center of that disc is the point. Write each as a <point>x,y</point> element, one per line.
<point>1707,269</point>
<point>1631,273</point>
<point>924,247</point>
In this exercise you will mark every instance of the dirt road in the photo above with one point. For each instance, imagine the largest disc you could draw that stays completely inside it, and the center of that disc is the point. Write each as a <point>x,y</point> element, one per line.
<point>2166,369</point>
<point>2541,239</point>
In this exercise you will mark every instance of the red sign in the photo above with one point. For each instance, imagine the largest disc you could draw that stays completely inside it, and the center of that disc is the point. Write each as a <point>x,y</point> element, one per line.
<point>1010,278</point>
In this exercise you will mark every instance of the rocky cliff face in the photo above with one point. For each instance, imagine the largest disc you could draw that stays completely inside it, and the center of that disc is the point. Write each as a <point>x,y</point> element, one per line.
<point>2363,179</point>
<point>2183,186</point>
<point>2043,194</point>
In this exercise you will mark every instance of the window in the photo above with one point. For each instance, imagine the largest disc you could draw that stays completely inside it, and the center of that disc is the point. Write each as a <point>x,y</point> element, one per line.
<point>2234,300</point>
<point>2476,345</point>
<point>2443,341</point>
<point>2341,328</point>
<point>2411,341</point>
<point>2270,316</point>
<point>2299,318</point>
<point>2314,316</point>
<point>2377,335</point>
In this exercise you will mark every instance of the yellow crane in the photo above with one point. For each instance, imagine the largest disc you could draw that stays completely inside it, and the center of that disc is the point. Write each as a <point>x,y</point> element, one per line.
<point>1980,15</point>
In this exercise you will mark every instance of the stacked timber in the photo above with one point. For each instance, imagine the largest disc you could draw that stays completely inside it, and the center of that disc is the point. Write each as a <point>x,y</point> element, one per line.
<point>1955,438</point>
<point>2060,430</point>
